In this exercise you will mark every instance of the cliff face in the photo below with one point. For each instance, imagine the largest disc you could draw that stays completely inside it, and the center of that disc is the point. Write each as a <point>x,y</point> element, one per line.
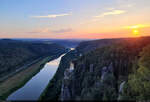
<point>102,74</point>
<point>89,86</point>
<point>66,93</point>
<point>53,90</point>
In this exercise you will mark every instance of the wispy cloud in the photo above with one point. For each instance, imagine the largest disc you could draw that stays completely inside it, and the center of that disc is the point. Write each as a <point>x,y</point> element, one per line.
<point>137,26</point>
<point>110,8</point>
<point>52,15</point>
<point>112,12</point>
<point>39,31</point>
<point>48,30</point>
<point>62,30</point>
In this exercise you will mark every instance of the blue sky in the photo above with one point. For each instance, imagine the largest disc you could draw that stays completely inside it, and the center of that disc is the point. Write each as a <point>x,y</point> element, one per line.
<point>71,18</point>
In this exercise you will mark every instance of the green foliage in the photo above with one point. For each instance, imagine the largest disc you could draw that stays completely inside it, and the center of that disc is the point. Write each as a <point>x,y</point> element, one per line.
<point>145,57</point>
<point>14,54</point>
<point>109,87</point>
<point>122,53</point>
<point>53,90</point>
<point>140,81</point>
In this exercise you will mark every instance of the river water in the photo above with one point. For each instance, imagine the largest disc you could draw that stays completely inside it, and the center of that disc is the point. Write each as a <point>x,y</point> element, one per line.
<point>36,85</point>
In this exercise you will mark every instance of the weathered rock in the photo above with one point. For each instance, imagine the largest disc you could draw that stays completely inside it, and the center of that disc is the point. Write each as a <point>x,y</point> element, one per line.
<point>121,87</point>
<point>91,68</point>
<point>71,66</point>
<point>65,90</point>
<point>80,55</point>
<point>65,93</point>
<point>120,97</point>
<point>103,73</point>
<point>110,68</point>
<point>68,73</point>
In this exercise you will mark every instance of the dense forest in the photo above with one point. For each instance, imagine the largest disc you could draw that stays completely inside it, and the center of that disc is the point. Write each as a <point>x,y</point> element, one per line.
<point>108,69</point>
<point>53,90</point>
<point>14,54</point>
<point>69,43</point>
<point>117,71</point>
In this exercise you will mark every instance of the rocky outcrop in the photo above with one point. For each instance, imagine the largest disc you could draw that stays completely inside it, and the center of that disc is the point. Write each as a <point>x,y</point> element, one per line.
<point>91,68</point>
<point>105,71</point>
<point>120,97</point>
<point>66,92</point>
<point>121,87</point>
<point>75,89</point>
<point>71,66</point>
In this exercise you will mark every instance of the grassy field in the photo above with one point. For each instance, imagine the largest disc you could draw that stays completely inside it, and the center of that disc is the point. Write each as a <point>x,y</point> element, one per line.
<point>18,80</point>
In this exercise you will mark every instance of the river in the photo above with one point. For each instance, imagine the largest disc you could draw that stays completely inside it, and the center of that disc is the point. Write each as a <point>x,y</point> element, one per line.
<point>36,85</point>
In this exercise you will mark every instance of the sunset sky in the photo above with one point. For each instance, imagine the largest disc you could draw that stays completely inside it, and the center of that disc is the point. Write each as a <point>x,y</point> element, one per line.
<point>74,18</point>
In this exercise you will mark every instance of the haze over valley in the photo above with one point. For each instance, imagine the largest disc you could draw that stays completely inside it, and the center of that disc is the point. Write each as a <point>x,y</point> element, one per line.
<point>74,50</point>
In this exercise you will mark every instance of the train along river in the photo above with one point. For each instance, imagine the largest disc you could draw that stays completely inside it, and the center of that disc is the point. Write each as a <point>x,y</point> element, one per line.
<point>36,85</point>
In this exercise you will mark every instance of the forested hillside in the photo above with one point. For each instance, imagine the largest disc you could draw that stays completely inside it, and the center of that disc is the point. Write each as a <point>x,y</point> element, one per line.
<point>14,54</point>
<point>53,90</point>
<point>87,46</point>
<point>119,70</point>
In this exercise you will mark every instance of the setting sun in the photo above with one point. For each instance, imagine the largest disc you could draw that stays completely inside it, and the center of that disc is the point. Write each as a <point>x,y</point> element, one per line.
<point>136,32</point>
<point>49,48</point>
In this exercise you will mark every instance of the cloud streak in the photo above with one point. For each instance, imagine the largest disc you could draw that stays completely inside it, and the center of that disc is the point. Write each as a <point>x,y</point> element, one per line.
<point>137,26</point>
<point>113,12</point>
<point>52,15</point>
<point>63,30</point>
<point>47,30</point>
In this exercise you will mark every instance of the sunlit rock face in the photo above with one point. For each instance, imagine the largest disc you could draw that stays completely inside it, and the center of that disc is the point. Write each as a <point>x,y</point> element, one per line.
<point>71,66</point>
<point>77,87</point>
<point>102,74</point>
<point>120,97</point>
<point>121,87</point>
<point>66,90</point>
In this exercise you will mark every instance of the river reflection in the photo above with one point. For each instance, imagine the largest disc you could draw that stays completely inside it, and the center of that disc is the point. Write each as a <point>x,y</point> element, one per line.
<point>34,87</point>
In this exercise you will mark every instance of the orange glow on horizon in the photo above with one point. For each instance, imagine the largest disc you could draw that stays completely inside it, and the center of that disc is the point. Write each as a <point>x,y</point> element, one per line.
<point>94,33</point>
<point>136,33</point>
<point>137,26</point>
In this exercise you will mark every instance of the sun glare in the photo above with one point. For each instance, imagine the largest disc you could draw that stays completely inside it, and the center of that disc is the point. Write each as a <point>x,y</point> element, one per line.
<point>135,29</point>
<point>135,33</point>
<point>137,26</point>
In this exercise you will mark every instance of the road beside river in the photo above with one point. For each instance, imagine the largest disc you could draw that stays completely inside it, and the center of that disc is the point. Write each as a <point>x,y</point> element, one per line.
<point>35,86</point>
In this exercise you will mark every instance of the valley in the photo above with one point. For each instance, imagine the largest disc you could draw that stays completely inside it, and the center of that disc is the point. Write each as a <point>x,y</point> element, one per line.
<point>14,77</point>
<point>102,71</point>
<point>74,50</point>
<point>105,69</point>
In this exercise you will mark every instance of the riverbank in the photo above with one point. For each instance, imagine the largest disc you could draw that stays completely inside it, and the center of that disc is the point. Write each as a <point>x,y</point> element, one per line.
<point>53,89</point>
<point>20,78</point>
<point>2,79</point>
